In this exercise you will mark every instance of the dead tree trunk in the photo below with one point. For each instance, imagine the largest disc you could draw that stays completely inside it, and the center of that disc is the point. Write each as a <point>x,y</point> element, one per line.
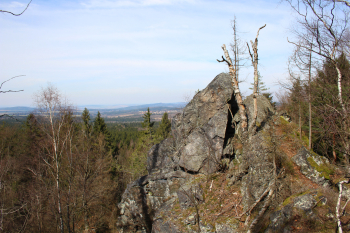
<point>238,96</point>
<point>254,58</point>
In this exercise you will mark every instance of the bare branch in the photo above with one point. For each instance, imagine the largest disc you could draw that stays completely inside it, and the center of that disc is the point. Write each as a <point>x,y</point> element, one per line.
<point>257,34</point>
<point>19,13</point>
<point>238,95</point>
<point>10,91</point>
<point>343,1</point>
<point>223,60</point>
<point>10,79</point>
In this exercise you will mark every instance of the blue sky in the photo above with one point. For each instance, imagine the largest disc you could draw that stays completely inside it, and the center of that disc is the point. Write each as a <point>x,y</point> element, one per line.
<point>134,51</point>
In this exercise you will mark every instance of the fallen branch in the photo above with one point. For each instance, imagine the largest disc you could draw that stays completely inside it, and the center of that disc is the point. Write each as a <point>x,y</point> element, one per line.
<point>261,212</point>
<point>269,192</point>
<point>317,202</point>
<point>230,207</point>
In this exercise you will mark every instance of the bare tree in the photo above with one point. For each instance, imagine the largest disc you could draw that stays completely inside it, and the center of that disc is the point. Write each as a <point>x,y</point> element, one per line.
<point>323,30</point>
<point>238,49</point>
<point>57,126</point>
<point>254,59</point>
<point>302,59</point>
<point>232,71</point>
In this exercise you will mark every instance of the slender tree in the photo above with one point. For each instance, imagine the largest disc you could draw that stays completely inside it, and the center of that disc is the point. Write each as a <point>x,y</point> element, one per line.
<point>147,124</point>
<point>57,127</point>
<point>323,30</point>
<point>238,96</point>
<point>164,126</point>
<point>254,58</point>
<point>261,89</point>
<point>86,122</point>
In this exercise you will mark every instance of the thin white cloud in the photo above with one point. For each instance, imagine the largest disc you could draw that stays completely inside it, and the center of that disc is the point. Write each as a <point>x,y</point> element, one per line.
<point>133,46</point>
<point>131,3</point>
<point>11,5</point>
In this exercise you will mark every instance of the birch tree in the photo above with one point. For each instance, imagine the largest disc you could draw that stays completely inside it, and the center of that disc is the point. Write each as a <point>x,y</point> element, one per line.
<point>254,58</point>
<point>57,127</point>
<point>322,29</point>
<point>238,96</point>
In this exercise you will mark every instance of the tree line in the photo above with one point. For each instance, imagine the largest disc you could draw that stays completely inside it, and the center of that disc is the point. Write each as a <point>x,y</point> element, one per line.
<point>328,125</point>
<point>317,94</point>
<point>64,173</point>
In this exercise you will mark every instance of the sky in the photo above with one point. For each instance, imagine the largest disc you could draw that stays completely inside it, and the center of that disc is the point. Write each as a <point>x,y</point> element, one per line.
<point>111,52</point>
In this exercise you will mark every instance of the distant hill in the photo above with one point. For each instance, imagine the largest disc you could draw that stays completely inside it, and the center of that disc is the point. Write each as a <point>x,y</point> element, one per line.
<point>111,111</point>
<point>17,109</point>
<point>125,107</point>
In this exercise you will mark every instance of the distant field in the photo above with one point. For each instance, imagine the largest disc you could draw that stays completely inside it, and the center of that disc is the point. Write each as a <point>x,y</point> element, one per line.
<point>120,115</point>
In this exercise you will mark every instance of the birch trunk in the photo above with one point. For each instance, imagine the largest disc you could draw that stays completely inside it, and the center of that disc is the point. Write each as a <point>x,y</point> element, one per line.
<point>337,209</point>
<point>254,58</point>
<point>344,113</point>
<point>238,96</point>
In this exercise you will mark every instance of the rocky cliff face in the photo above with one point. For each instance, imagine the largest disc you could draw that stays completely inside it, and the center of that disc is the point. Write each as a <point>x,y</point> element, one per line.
<point>196,146</point>
<point>209,176</point>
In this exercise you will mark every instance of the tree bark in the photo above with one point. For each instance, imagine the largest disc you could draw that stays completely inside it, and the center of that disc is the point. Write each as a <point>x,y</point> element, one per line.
<point>337,209</point>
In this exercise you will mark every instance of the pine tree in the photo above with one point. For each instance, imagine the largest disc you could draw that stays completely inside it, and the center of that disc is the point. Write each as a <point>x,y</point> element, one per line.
<point>147,124</point>
<point>86,121</point>
<point>100,127</point>
<point>138,160</point>
<point>261,86</point>
<point>99,124</point>
<point>164,127</point>
<point>269,96</point>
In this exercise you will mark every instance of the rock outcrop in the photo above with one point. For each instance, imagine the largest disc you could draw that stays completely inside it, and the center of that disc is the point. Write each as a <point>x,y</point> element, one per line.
<point>196,147</point>
<point>314,167</point>
<point>210,176</point>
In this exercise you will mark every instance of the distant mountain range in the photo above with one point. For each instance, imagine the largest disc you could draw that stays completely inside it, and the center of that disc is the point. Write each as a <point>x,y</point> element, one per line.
<point>17,109</point>
<point>104,109</point>
<point>132,106</point>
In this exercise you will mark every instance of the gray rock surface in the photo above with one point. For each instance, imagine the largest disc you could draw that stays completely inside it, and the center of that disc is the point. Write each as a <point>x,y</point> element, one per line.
<point>196,146</point>
<point>225,228</point>
<point>199,131</point>
<point>265,110</point>
<point>302,160</point>
<point>160,156</point>
<point>204,140</point>
<point>280,221</point>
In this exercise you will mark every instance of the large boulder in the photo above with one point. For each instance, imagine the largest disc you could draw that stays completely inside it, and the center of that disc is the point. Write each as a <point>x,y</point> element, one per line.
<point>196,146</point>
<point>313,166</point>
<point>302,211</point>
<point>199,131</point>
<point>265,110</point>
<point>160,156</point>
